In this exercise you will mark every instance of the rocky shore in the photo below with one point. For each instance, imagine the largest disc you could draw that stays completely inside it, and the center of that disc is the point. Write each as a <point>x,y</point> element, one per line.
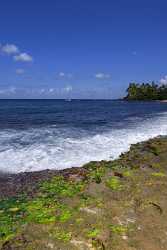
<point>109,205</point>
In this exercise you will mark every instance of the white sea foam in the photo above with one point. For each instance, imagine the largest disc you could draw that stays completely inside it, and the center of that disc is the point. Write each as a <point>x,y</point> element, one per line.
<point>51,148</point>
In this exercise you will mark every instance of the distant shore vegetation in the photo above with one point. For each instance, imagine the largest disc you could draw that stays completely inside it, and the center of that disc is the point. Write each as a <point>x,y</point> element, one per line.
<point>146,91</point>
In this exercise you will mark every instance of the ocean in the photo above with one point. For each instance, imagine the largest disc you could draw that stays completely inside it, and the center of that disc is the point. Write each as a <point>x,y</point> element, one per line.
<point>58,134</point>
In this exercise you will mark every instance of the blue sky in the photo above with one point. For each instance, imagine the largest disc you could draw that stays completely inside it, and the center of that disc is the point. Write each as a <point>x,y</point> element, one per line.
<point>80,48</point>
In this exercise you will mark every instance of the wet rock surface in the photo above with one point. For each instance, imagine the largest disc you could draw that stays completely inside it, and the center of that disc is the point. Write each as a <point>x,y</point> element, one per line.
<point>115,205</point>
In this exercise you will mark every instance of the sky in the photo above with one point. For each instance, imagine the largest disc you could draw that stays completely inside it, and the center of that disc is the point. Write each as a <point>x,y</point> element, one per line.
<point>85,49</point>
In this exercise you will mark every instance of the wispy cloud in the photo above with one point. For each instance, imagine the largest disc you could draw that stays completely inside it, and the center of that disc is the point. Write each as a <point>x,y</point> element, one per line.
<point>23,57</point>
<point>9,49</point>
<point>61,74</point>
<point>7,91</point>
<point>64,75</point>
<point>134,53</point>
<point>51,91</point>
<point>102,76</point>
<point>67,89</point>
<point>13,91</point>
<point>163,80</point>
<point>44,91</point>
<point>20,71</point>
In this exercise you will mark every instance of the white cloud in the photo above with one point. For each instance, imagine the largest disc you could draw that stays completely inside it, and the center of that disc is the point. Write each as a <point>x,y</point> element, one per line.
<point>51,90</point>
<point>13,50</point>
<point>10,49</point>
<point>12,90</point>
<point>163,80</point>
<point>134,53</point>
<point>67,89</point>
<point>102,76</point>
<point>23,57</point>
<point>9,90</point>
<point>2,91</point>
<point>20,71</point>
<point>64,75</point>
<point>61,74</point>
<point>44,91</point>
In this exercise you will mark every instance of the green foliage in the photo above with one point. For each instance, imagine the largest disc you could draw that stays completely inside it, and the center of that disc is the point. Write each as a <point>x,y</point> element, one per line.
<point>97,174</point>
<point>58,186</point>
<point>114,183</point>
<point>155,149</point>
<point>60,234</point>
<point>43,209</point>
<point>11,215</point>
<point>118,229</point>
<point>64,213</point>
<point>93,233</point>
<point>156,165</point>
<point>146,91</point>
<point>128,173</point>
<point>115,166</point>
<point>158,174</point>
<point>79,220</point>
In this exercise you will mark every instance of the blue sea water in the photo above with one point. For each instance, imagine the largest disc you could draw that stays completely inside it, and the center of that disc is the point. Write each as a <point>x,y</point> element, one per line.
<point>58,134</point>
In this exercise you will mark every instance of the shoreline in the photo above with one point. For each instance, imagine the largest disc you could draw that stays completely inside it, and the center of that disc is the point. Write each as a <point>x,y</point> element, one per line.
<point>119,204</point>
<point>12,184</point>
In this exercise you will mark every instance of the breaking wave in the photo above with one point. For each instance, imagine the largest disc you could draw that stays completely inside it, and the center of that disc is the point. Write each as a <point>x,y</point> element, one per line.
<point>59,148</point>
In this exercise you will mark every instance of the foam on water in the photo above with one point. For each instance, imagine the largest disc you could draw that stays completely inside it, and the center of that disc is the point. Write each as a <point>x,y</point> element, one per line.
<point>52,148</point>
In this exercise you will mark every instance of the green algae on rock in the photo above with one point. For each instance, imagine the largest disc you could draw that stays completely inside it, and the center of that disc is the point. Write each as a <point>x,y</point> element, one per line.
<point>111,205</point>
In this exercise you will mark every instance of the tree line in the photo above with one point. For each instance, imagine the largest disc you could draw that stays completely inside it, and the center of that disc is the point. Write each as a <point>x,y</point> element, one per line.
<point>146,91</point>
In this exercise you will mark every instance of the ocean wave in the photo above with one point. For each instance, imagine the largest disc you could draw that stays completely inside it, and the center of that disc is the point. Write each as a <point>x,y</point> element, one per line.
<point>55,148</point>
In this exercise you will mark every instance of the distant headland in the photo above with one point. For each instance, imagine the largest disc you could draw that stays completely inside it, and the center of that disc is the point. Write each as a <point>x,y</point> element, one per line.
<point>146,92</point>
